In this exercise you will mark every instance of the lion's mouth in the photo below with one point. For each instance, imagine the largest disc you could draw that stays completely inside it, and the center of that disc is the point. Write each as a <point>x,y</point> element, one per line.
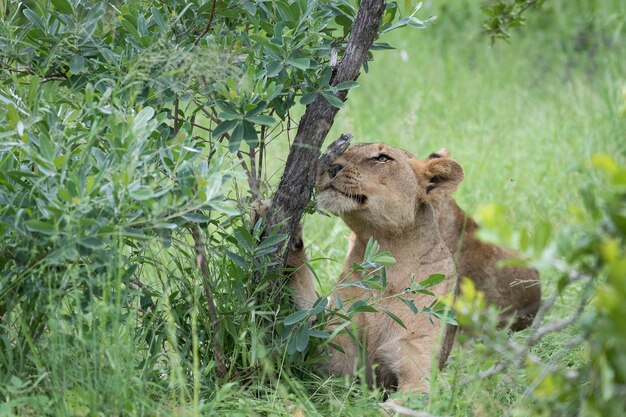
<point>359,198</point>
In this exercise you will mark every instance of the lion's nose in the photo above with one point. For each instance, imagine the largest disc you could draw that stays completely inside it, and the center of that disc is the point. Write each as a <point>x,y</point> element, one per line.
<point>334,170</point>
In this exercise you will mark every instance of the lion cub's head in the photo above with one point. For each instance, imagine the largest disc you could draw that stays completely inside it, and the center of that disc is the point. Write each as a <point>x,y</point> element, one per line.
<point>376,184</point>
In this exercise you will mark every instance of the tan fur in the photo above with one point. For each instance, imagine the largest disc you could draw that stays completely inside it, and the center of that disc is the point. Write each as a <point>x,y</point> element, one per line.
<point>515,290</point>
<point>390,201</point>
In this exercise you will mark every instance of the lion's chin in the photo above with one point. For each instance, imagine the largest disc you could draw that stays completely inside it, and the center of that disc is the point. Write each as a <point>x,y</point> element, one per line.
<point>338,203</point>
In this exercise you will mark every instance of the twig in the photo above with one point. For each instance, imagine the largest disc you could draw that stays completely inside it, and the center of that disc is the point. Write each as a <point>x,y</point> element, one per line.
<point>252,181</point>
<point>201,257</point>
<point>208,25</point>
<point>176,116</point>
<point>333,152</point>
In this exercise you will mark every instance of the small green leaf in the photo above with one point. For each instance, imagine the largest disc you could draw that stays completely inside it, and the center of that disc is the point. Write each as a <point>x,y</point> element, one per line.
<point>432,280</point>
<point>361,306</point>
<point>384,259</point>
<point>142,118</point>
<point>302,338</point>
<point>308,98</point>
<point>409,304</point>
<point>320,334</point>
<point>241,262</point>
<point>141,193</point>
<point>226,115</point>
<point>261,120</point>
<point>250,134</point>
<point>196,218</point>
<point>235,138</point>
<point>63,6</point>
<point>300,63</point>
<point>91,243</point>
<point>333,99</point>
<point>346,85</point>
<point>274,68</point>
<point>296,317</point>
<point>77,65</point>
<point>272,241</point>
<point>12,116</point>
<point>393,317</point>
<point>39,226</point>
<point>223,128</point>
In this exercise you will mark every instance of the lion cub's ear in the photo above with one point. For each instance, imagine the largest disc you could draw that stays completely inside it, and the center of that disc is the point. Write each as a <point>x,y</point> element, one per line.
<point>441,153</point>
<point>442,177</point>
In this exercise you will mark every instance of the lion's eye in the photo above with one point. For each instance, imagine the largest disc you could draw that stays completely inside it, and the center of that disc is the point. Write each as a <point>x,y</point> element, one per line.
<point>382,158</point>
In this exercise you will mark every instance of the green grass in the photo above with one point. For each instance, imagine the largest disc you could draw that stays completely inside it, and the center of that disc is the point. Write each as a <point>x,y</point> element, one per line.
<point>523,119</point>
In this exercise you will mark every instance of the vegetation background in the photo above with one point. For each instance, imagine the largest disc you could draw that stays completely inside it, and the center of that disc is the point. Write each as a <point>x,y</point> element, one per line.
<point>103,308</point>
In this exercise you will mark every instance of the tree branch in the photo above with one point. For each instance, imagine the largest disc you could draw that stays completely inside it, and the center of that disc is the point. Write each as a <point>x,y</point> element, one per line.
<point>220,366</point>
<point>297,182</point>
<point>208,25</point>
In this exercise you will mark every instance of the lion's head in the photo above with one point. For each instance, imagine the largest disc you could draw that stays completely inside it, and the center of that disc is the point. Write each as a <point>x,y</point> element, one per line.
<point>376,184</point>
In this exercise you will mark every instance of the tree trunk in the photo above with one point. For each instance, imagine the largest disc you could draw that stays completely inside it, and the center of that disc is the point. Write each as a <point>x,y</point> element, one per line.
<point>296,184</point>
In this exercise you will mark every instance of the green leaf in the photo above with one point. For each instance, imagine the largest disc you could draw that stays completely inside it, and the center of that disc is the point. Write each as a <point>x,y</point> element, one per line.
<point>393,317</point>
<point>157,16</point>
<point>302,337</point>
<point>449,318</point>
<point>347,85</point>
<point>432,280</point>
<point>320,334</point>
<point>91,243</point>
<point>333,99</point>
<point>300,63</point>
<point>142,193</point>
<point>319,306</point>
<point>249,134</point>
<point>13,116</point>
<point>235,138</point>
<point>63,6</point>
<point>273,68</point>
<point>241,262</point>
<point>308,98</point>
<point>371,248</point>
<point>40,226</point>
<point>296,317</point>
<point>262,120</point>
<point>226,115</point>
<point>77,65</point>
<point>272,241</point>
<point>142,118</point>
<point>361,306</point>
<point>223,127</point>
<point>409,304</point>
<point>196,218</point>
<point>384,259</point>
<point>255,109</point>
<point>34,19</point>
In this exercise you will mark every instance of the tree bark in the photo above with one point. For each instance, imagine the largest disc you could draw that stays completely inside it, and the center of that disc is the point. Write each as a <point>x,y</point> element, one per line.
<point>297,182</point>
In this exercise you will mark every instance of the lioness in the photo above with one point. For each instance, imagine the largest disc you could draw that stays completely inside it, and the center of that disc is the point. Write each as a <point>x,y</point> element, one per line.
<point>514,289</point>
<point>387,194</point>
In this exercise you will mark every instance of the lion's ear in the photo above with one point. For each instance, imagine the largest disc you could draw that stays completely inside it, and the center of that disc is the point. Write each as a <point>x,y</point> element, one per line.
<point>441,153</point>
<point>442,177</point>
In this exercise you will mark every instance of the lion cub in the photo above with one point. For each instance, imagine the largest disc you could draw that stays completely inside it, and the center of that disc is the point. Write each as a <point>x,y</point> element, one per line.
<point>386,193</point>
<point>514,289</point>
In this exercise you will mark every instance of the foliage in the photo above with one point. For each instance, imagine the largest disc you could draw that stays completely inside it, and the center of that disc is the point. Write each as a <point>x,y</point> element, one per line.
<point>591,260</point>
<point>503,15</point>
